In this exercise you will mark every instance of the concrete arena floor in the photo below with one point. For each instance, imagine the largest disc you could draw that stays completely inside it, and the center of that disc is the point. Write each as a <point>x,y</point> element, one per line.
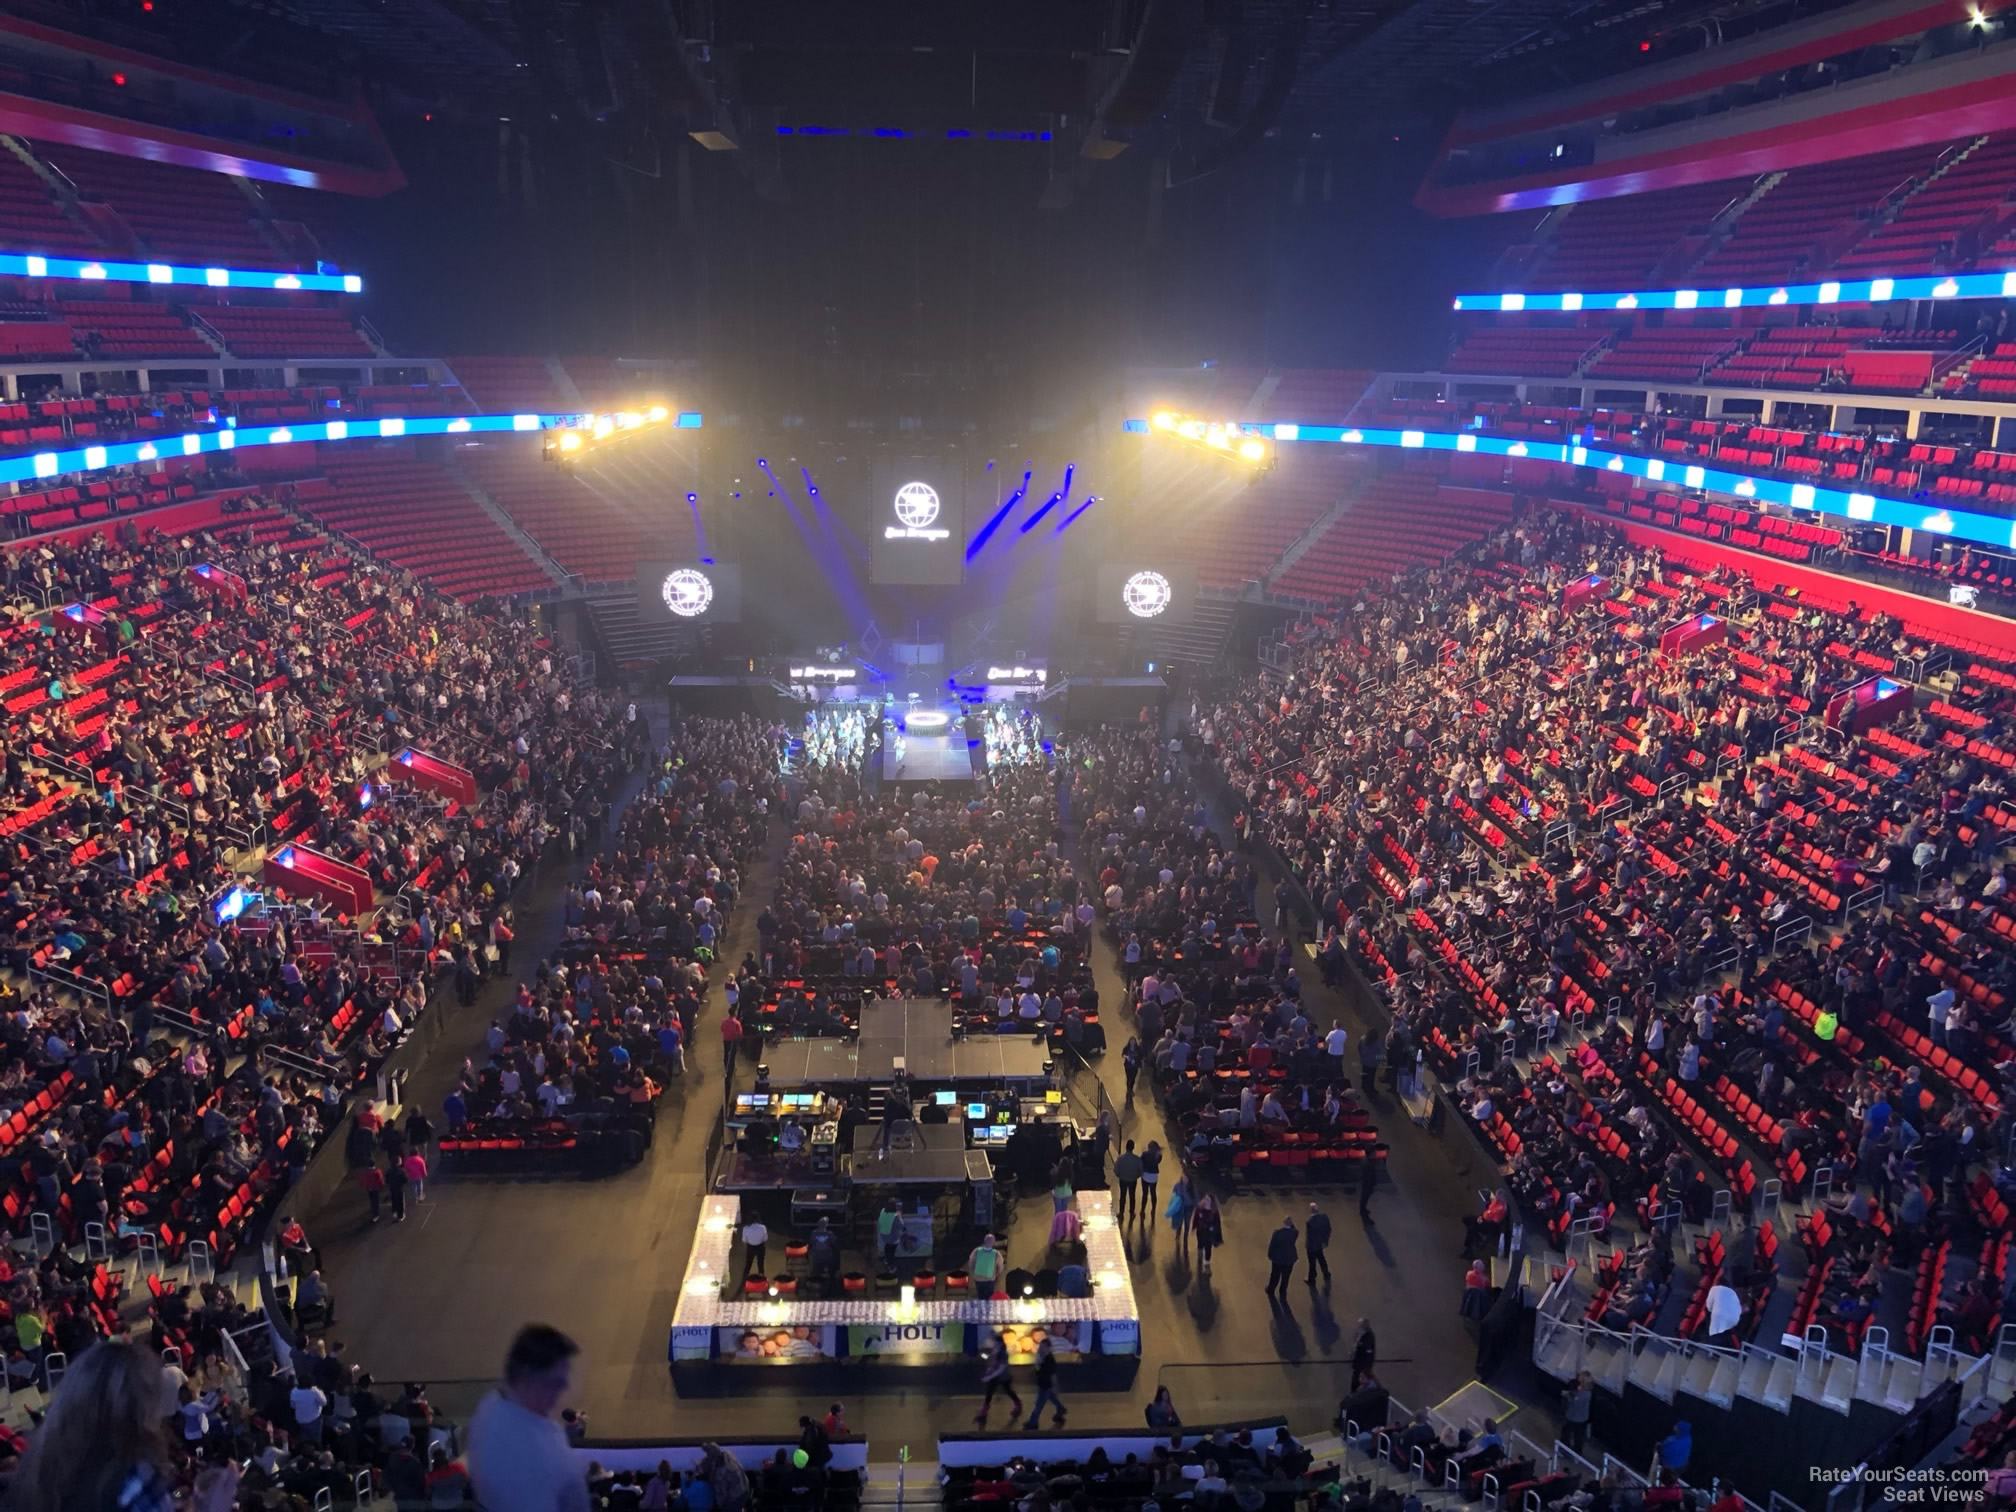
<point>436,1299</point>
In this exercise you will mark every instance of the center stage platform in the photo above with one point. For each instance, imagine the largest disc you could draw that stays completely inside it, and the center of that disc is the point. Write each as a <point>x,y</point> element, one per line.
<point>930,758</point>
<point>918,1031</point>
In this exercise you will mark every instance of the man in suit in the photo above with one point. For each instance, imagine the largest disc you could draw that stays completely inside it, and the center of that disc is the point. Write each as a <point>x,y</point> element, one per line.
<point>1316,1237</point>
<point>1281,1256</point>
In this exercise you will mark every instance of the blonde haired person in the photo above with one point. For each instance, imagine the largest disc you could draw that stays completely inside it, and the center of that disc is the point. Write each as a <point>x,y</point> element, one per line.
<point>102,1448</point>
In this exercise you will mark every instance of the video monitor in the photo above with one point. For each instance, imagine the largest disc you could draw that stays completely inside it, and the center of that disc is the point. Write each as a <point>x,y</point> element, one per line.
<point>917,521</point>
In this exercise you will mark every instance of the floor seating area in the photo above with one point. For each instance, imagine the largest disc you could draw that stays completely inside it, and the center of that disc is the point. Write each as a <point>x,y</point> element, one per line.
<point>416,516</point>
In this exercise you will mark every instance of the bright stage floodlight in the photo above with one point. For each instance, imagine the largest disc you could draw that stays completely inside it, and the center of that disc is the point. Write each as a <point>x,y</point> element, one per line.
<point>1228,438</point>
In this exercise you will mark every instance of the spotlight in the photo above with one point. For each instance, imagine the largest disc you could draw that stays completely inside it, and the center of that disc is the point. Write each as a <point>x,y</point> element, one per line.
<point>658,412</point>
<point>1253,451</point>
<point>570,440</point>
<point>1163,420</point>
<point>692,498</point>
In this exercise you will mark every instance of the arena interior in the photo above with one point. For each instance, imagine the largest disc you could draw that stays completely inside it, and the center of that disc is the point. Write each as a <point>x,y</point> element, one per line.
<point>1284,728</point>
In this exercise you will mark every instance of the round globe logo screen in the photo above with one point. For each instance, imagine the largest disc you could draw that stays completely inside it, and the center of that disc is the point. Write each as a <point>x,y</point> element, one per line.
<point>916,504</point>
<point>917,510</point>
<point>1146,594</point>
<point>686,592</point>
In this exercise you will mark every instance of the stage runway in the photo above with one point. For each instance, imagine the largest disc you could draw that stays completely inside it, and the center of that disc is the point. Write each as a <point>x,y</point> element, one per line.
<point>930,758</point>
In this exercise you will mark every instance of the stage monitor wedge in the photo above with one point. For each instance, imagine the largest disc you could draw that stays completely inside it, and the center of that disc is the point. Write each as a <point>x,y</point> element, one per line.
<point>917,520</point>
<point>689,593</point>
<point>1145,593</point>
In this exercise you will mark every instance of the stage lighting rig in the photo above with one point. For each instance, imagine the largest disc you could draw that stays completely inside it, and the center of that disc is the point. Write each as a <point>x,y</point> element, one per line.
<point>1222,437</point>
<point>594,431</point>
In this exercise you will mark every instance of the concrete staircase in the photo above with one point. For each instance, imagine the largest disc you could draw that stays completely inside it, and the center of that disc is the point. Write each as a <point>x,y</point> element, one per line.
<point>1299,548</point>
<point>505,523</point>
<point>61,190</point>
<point>1724,225</point>
<point>1890,210</point>
<point>564,381</point>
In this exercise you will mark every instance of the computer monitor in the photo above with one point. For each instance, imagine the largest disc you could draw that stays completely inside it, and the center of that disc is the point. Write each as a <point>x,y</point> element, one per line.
<point>945,1099</point>
<point>976,1112</point>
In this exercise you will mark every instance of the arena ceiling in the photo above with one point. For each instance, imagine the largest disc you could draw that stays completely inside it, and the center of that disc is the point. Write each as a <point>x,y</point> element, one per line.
<point>1196,82</point>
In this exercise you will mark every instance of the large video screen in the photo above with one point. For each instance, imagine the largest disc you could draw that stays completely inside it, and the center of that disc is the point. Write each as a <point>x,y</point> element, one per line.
<point>918,518</point>
<point>689,593</point>
<point>1145,593</point>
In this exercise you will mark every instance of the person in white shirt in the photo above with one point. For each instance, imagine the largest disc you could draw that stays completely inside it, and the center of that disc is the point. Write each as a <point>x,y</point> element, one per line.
<point>517,1454</point>
<point>1335,1041</point>
<point>308,1402</point>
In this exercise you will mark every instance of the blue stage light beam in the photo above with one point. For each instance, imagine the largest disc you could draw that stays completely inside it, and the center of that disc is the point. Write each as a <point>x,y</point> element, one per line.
<point>1049,504</point>
<point>1007,507</point>
<point>1055,499</point>
<point>1090,500</point>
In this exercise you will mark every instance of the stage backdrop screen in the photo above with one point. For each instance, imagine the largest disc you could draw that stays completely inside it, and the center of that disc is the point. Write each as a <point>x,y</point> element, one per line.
<point>1145,593</point>
<point>917,513</point>
<point>689,593</point>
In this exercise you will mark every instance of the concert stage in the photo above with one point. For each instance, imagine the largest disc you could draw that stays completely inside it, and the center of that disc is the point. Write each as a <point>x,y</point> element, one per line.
<point>931,758</point>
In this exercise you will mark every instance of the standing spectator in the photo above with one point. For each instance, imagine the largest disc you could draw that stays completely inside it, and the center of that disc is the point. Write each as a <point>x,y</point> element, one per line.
<point>1151,1176</point>
<point>1316,1237</point>
<point>1182,1204</point>
<point>1130,1058</point>
<point>755,1245</point>
<point>1161,1413</point>
<point>372,1180</point>
<point>447,1481</point>
<point>518,1455</point>
<point>726,1481</point>
<point>888,1231</point>
<point>415,1167</point>
<point>1575,1404</point>
<point>1364,1353</point>
<point>1127,1170</point>
<point>395,1188</point>
<point>309,1404</point>
<point>1281,1257</point>
<point>1368,1182</point>
<point>1046,1386</point>
<point>983,1268</point>
<point>1210,1230</point>
<point>814,1443</point>
<point>101,1446</point>
<point>996,1375</point>
<point>731,1040</point>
